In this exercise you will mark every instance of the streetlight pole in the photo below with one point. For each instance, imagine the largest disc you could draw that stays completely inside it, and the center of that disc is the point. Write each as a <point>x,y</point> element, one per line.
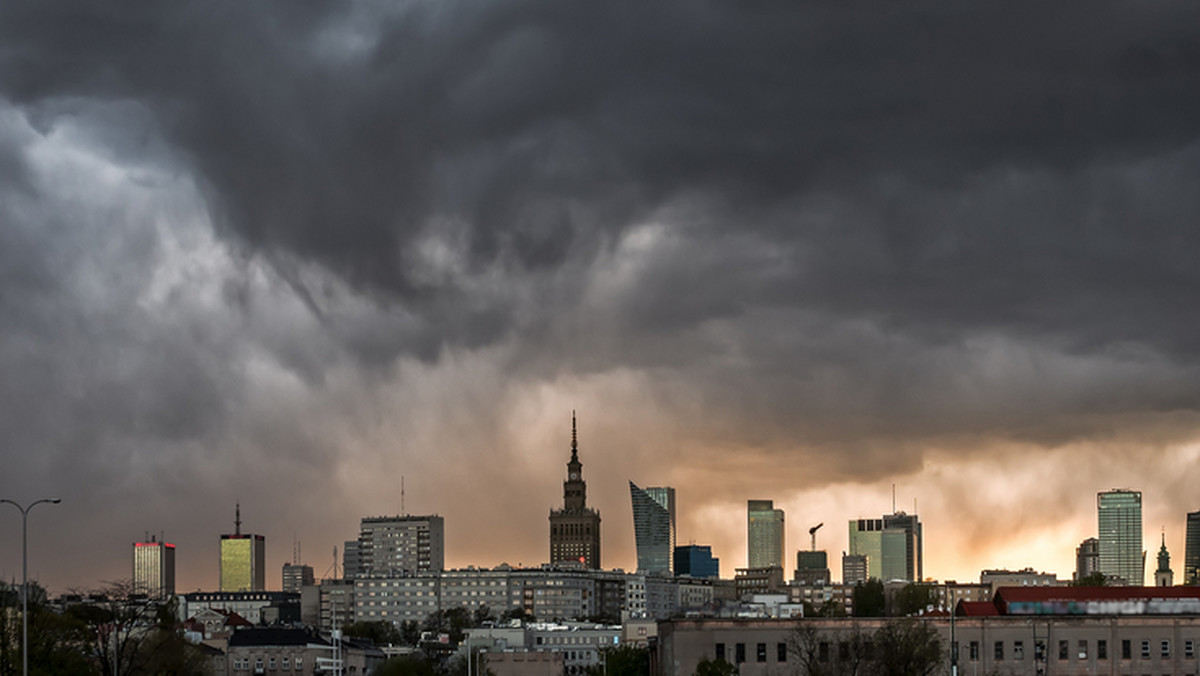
<point>25,576</point>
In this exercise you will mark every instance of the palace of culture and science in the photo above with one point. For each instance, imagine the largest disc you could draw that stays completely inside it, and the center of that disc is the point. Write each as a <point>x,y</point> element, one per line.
<point>575,529</point>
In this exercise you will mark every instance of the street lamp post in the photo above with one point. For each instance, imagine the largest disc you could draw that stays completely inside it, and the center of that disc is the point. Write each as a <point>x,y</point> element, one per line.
<point>25,576</point>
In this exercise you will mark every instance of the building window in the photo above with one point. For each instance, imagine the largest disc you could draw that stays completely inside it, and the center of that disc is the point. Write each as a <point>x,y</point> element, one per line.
<point>1083,650</point>
<point>739,655</point>
<point>286,663</point>
<point>1145,650</point>
<point>1018,650</point>
<point>1165,649</point>
<point>974,651</point>
<point>1101,649</point>
<point>1189,649</point>
<point>258,664</point>
<point>1063,650</point>
<point>299,663</point>
<point>1039,651</point>
<point>823,651</point>
<point>271,663</point>
<point>781,652</point>
<point>720,651</point>
<point>999,651</point>
<point>761,653</point>
<point>1126,649</point>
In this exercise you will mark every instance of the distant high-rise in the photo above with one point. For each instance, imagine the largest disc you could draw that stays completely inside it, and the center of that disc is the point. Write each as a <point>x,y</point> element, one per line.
<point>812,568</point>
<point>1191,550</point>
<point>1164,576</point>
<point>575,529</point>
<point>154,569</point>
<point>892,546</point>
<point>653,527</point>
<point>297,575</point>
<point>1119,513</point>
<point>1087,558</point>
<point>400,545</point>
<point>697,561</point>
<point>765,535</point>
<point>243,560</point>
<point>854,568</point>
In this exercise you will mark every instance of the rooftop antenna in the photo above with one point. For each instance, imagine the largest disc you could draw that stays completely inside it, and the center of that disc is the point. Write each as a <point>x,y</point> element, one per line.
<point>295,550</point>
<point>237,519</point>
<point>893,498</point>
<point>403,511</point>
<point>812,532</point>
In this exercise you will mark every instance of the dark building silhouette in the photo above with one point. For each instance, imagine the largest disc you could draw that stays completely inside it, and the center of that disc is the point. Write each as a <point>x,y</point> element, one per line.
<point>1191,550</point>
<point>575,529</point>
<point>697,561</point>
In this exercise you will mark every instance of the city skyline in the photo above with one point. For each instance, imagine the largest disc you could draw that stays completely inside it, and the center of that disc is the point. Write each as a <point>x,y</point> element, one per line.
<point>364,259</point>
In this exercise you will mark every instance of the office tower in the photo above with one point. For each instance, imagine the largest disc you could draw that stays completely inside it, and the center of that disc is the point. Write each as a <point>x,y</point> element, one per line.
<point>297,575</point>
<point>1087,558</point>
<point>892,546</point>
<point>653,527</point>
<point>1164,576</point>
<point>400,545</point>
<point>1119,513</point>
<point>854,568</point>
<point>1191,550</point>
<point>765,542</point>
<point>243,560</point>
<point>697,561</point>
<point>812,568</point>
<point>575,529</point>
<point>154,569</point>
<point>913,555</point>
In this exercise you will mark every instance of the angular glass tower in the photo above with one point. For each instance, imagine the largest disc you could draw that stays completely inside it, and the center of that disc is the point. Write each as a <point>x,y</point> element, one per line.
<point>653,528</point>
<point>1119,513</point>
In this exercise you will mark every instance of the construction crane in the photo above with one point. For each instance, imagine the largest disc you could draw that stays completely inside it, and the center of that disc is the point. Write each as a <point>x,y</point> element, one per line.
<point>812,532</point>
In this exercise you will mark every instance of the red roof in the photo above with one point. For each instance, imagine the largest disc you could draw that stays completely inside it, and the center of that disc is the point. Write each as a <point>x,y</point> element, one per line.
<point>976,609</point>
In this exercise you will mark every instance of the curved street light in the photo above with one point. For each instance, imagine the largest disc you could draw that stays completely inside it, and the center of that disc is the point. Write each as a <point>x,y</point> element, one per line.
<point>25,576</point>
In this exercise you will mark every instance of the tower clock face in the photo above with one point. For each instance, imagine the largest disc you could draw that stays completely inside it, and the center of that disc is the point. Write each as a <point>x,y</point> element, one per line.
<point>574,476</point>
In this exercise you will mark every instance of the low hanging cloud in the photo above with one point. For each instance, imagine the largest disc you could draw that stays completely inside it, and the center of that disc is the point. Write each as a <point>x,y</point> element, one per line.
<point>286,255</point>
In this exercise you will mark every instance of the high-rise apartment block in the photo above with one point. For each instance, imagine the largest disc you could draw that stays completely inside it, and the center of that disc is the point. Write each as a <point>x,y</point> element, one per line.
<point>399,545</point>
<point>1119,513</point>
<point>1191,550</point>
<point>653,528</point>
<point>697,561</point>
<point>765,535</point>
<point>1087,558</point>
<point>243,560</point>
<point>296,576</point>
<point>154,569</point>
<point>575,529</point>
<point>892,546</point>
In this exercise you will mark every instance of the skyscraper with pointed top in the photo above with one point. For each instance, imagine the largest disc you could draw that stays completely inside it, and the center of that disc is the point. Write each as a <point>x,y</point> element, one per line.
<point>575,529</point>
<point>243,559</point>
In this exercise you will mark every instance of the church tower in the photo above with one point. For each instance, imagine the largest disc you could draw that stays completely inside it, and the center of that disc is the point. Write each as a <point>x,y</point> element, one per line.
<point>1164,576</point>
<point>575,529</point>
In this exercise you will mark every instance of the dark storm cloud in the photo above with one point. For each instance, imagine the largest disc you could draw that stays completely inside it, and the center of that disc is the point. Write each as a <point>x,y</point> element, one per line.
<point>843,232</point>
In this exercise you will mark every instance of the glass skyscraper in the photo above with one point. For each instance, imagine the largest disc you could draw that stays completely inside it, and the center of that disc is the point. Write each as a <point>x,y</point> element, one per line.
<point>1119,513</point>
<point>764,535</point>
<point>653,527</point>
<point>1191,550</point>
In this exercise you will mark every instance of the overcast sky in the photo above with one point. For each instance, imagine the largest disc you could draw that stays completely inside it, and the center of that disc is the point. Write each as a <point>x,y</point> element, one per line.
<point>289,253</point>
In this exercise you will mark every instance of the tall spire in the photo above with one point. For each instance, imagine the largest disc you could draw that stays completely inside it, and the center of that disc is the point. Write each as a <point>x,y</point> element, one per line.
<point>237,519</point>
<point>574,436</point>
